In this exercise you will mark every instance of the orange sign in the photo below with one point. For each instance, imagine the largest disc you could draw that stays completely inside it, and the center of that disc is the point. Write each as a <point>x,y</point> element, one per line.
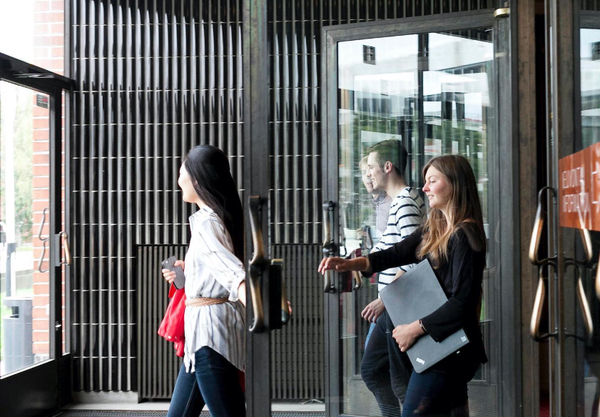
<point>579,189</point>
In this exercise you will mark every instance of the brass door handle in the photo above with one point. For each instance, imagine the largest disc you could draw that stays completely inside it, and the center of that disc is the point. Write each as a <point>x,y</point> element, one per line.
<point>538,305</point>
<point>64,236</point>
<point>256,266</point>
<point>597,281</point>
<point>538,227</point>
<point>584,306</point>
<point>368,238</point>
<point>586,240</point>
<point>329,287</point>
<point>328,243</point>
<point>357,280</point>
<point>285,307</point>
<point>588,321</point>
<point>534,247</point>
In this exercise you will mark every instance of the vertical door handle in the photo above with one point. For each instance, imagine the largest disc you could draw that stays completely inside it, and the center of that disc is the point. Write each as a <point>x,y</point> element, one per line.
<point>367,238</point>
<point>328,243</point>
<point>538,227</point>
<point>285,307</point>
<point>256,266</point>
<point>534,248</point>
<point>63,237</point>
<point>584,306</point>
<point>44,240</point>
<point>357,280</point>
<point>597,283</point>
<point>538,305</point>
<point>586,240</point>
<point>588,321</point>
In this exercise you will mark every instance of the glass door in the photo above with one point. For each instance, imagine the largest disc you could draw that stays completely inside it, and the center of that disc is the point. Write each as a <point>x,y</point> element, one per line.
<point>33,246</point>
<point>588,352</point>
<point>567,311</point>
<point>432,87</point>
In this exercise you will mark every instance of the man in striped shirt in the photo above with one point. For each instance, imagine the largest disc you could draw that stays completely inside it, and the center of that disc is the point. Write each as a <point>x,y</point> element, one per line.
<point>386,164</point>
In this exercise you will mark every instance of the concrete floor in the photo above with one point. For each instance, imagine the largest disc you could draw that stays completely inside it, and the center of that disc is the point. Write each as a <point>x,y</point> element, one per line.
<point>126,401</point>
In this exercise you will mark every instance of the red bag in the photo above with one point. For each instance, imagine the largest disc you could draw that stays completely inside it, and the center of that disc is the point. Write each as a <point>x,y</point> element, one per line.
<point>172,325</point>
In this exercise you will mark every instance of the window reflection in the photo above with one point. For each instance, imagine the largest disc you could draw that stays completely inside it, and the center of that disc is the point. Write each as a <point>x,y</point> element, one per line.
<point>590,134</point>
<point>590,86</point>
<point>432,92</point>
<point>33,31</point>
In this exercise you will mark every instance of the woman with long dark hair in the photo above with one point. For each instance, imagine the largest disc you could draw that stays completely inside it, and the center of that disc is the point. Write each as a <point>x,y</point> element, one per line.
<point>215,288</point>
<point>454,242</point>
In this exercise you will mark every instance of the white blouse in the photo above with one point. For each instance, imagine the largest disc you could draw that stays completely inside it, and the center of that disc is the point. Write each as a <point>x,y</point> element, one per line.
<point>213,271</point>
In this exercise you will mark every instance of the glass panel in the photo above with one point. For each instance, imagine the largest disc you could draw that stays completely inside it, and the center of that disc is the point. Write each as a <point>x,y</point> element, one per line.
<point>432,93</point>
<point>590,86</point>
<point>65,318</point>
<point>24,221</point>
<point>36,36</point>
<point>590,135</point>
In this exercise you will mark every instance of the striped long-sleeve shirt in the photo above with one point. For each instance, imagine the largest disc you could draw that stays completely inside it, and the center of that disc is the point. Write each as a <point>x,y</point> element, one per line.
<point>213,271</point>
<point>407,213</point>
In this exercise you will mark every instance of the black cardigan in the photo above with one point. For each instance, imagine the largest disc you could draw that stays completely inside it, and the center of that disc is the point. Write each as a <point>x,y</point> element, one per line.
<point>460,278</point>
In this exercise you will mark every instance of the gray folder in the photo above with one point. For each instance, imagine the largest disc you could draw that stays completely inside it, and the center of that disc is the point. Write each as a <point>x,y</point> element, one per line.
<point>413,296</point>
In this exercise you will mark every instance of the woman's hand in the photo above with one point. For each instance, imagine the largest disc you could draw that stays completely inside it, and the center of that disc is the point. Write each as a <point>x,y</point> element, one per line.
<point>170,275</point>
<point>242,293</point>
<point>343,265</point>
<point>373,310</point>
<point>407,334</point>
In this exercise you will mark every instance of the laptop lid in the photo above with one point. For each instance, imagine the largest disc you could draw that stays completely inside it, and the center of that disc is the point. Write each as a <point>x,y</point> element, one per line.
<point>415,295</point>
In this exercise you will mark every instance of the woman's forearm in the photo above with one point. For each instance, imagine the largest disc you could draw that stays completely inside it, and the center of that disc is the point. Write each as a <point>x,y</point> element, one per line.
<point>361,264</point>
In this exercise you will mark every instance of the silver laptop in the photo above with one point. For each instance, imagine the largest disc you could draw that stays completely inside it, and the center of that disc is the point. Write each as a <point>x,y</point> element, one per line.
<point>413,296</point>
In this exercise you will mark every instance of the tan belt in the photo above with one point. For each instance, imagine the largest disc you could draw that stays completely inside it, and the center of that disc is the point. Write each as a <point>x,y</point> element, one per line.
<point>201,301</point>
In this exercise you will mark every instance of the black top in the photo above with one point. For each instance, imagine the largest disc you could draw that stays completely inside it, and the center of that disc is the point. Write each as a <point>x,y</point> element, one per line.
<point>460,278</point>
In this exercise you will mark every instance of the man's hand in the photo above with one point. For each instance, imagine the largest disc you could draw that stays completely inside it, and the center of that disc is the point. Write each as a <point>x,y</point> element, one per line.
<point>373,310</point>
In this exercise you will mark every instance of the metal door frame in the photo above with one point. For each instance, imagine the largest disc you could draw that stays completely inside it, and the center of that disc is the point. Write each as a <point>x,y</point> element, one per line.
<point>42,388</point>
<point>256,183</point>
<point>506,176</point>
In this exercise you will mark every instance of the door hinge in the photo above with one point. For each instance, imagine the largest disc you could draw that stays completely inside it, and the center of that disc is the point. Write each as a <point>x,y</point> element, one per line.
<point>501,12</point>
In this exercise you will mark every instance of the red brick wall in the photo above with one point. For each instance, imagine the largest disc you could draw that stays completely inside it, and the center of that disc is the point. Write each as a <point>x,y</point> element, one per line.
<point>48,43</point>
<point>48,50</point>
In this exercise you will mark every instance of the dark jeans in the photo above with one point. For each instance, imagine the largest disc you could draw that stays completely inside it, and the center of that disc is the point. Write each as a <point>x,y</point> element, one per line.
<point>441,391</point>
<point>214,383</point>
<point>384,369</point>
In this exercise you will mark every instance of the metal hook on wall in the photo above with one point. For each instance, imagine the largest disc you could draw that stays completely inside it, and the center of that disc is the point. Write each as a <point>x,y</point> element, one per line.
<point>44,240</point>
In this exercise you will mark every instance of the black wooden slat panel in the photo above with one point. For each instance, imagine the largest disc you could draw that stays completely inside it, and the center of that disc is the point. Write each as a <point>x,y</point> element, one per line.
<point>297,349</point>
<point>591,5</point>
<point>151,84</point>
<point>157,364</point>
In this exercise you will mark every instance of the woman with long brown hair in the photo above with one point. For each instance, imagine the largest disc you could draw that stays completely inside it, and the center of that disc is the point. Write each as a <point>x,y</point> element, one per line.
<point>453,240</point>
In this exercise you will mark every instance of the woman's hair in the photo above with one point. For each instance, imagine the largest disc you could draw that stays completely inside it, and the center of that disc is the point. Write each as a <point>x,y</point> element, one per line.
<point>463,207</point>
<point>208,167</point>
